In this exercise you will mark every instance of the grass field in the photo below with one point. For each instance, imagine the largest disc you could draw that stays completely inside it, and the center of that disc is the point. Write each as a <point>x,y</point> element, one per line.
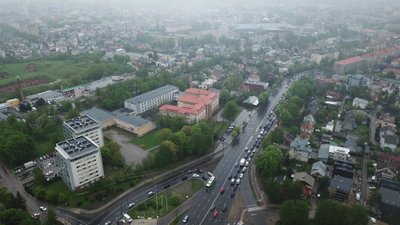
<point>167,201</point>
<point>147,141</point>
<point>49,69</point>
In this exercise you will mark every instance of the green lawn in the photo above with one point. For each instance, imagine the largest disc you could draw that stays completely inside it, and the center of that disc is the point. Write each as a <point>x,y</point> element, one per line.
<point>166,201</point>
<point>50,69</point>
<point>147,141</point>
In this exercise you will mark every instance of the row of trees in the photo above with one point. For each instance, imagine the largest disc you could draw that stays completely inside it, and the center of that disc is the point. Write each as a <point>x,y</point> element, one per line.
<point>295,212</point>
<point>297,97</point>
<point>195,140</point>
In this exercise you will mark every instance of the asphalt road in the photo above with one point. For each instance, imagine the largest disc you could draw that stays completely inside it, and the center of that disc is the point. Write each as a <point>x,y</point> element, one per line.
<point>202,213</point>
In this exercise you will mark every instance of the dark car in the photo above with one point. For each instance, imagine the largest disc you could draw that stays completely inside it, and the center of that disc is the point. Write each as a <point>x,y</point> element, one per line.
<point>224,207</point>
<point>204,177</point>
<point>232,195</point>
<point>212,208</point>
<point>167,186</point>
<point>184,178</point>
<point>222,191</point>
<point>230,177</point>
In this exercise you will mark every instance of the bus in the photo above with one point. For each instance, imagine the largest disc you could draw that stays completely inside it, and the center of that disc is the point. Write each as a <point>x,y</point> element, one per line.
<point>210,183</point>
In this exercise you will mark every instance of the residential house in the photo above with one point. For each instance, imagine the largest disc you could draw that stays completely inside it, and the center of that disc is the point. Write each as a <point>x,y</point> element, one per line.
<point>360,103</point>
<point>326,138</point>
<point>253,83</point>
<point>306,130</point>
<point>333,95</point>
<point>388,136</point>
<point>356,80</point>
<point>325,82</point>
<point>300,149</point>
<point>307,181</point>
<point>383,171</point>
<point>309,119</point>
<point>313,107</point>
<point>319,170</point>
<point>327,151</point>
<point>390,159</point>
<point>329,127</point>
<point>344,169</point>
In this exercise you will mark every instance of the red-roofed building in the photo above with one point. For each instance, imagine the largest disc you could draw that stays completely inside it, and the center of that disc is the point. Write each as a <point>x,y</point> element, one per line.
<point>306,130</point>
<point>367,60</point>
<point>196,104</point>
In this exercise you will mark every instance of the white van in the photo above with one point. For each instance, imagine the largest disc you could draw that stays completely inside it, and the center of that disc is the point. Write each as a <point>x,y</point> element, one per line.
<point>126,217</point>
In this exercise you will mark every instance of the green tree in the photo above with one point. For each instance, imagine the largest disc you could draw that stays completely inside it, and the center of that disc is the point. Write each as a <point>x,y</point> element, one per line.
<point>269,160</point>
<point>224,97</point>
<point>72,113</point>
<point>374,198</point>
<point>166,153</point>
<point>230,110</point>
<point>293,212</point>
<point>16,147</point>
<point>357,215</point>
<point>263,98</point>
<point>164,134</point>
<point>277,136</point>
<point>235,132</point>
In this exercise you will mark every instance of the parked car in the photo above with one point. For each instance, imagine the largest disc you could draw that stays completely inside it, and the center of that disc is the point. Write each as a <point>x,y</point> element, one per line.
<point>222,191</point>
<point>43,208</point>
<point>215,213</point>
<point>224,207</point>
<point>151,193</point>
<point>185,219</point>
<point>131,205</point>
<point>195,175</point>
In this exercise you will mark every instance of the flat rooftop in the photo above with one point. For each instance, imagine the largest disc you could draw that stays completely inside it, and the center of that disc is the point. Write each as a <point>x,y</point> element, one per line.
<point>75,147</point>
<point>81,123</point>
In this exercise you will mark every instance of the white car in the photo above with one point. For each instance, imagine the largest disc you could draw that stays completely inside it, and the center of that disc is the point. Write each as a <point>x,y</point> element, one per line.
<point>244,169</point>
<point>131,205</point>
<point>195,175</point>
<point>247,163</point>
<point>43,208</point>
<point>238,181</point>
<point>241,176</point>
<point>232,180</point>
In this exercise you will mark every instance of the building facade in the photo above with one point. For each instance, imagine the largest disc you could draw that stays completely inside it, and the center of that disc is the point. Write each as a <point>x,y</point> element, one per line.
<point>151,99</point>
<point>80,162</point>
<point>86,126</point>
<point>194,105</point>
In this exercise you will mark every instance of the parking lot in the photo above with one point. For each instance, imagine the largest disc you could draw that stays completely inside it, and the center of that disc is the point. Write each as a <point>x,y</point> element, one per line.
<point>47,164</point>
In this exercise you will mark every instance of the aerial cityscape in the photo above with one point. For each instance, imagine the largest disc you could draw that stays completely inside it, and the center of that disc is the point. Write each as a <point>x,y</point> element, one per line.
<point>225,112</point>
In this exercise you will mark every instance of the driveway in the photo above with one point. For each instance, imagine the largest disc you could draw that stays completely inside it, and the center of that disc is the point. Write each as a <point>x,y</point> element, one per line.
<point>132,154</point>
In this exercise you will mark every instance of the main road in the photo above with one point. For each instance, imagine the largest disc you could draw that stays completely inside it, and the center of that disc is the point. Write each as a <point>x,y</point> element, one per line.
<point>205,201</point>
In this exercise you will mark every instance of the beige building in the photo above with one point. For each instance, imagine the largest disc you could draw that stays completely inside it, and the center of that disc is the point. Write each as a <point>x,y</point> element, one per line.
<point>130,123</point>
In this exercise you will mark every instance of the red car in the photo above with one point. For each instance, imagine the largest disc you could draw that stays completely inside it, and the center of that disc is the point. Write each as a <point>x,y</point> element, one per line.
<point>215,214</point>
<point>222,191</point>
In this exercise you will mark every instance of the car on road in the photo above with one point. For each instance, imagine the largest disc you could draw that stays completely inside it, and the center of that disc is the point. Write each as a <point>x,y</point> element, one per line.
<point>244,169</point>
<point>224,207</point>
<point>215,213</point>
<point>151,193</point>
<point>36,215</point>
<point>247,163</point>
<point>195,175</point>
<point>167,186</point>
<point>212,208</point>
<point>232,181</point>
<point>204,177</point>
<point>238,181</point>
<point>131,205</point>
<point>241,176</point>
<point>185,219</point>
<point>236,164</point>
<point>43,208</point>
<point>235,188</point>
<point>210,174</point>
<point>184,177</point>
<point>222,191</point>
<point>230,177</point>
<point>232,195</point>
<point>107,223</point>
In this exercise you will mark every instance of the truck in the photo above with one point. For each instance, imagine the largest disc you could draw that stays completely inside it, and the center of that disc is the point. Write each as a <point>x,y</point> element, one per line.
<point>29,164</point>
<point>242,161</point>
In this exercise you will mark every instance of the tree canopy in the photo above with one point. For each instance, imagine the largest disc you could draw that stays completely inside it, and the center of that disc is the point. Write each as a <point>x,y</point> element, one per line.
<point>293,212</point>
<point>230,110</point>
<point>328,211</point>
<point>269,160</point>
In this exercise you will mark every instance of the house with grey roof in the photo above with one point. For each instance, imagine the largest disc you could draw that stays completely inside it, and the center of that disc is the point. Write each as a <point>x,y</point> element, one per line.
<point>48,96</point>
<point>300,149</point>
<point>323,153</point>
<point>319,170</point>
<point>309,119</point>
<point>144,102</point>
<point>130,123</point>
<point>360,103</point>
<point>388,137</point>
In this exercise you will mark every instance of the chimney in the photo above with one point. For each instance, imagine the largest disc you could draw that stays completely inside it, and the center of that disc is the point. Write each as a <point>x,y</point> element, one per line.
<point>20,90</point>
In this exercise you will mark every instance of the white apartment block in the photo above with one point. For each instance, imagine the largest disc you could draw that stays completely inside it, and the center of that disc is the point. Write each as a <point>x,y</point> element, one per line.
<point>86,126</point>
<point>339,153</point>
<point>80,162</point>
<point>151,99</point>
